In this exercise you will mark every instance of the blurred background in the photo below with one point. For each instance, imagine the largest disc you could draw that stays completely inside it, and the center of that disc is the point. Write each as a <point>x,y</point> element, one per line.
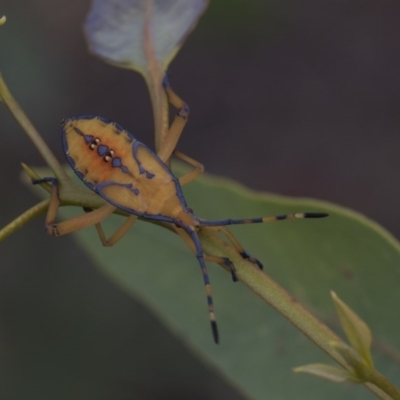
<point>296,98</point>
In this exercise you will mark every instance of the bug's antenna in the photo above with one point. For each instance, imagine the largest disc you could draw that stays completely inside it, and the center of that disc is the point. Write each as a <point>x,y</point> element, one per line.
<point>223,222</point>
<point>207,285</point>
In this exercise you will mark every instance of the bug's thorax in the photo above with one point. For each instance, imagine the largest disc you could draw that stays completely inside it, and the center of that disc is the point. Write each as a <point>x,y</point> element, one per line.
<point>187,218</point>
<point>167,203</point>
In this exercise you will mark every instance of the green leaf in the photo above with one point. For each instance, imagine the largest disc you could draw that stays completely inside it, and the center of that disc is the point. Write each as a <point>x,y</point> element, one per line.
<point>329,372</point>
<point>143,35</point>
<point>346,252</point>
<point>356,330</point>
<point>129,32</point>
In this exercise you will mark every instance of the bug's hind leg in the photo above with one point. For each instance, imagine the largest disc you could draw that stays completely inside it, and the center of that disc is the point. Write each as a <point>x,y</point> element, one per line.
<point>72,224</point>
<point>239,248</point>
<point>175,130</point>
<point>223,261</point>
<point>200,257</point>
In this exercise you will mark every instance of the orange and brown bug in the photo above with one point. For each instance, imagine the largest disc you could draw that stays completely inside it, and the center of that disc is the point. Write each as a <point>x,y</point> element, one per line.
<point>132,178</point>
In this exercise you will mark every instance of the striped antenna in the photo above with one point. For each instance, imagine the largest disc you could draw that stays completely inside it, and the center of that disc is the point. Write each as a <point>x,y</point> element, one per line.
<point>224,222</point>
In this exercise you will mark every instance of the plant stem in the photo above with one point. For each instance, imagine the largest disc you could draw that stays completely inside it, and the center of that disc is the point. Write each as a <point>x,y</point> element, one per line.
<point>385,385</point>
<point>27,216</point>
<point>154,77</point>
<point>289,307</point>
<point>30,130</point>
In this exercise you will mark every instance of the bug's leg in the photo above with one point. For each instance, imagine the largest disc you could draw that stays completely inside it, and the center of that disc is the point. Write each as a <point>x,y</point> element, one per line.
<point>224,222</point>
<point>72,224</point>
<point>192,175</point>
<point>175,130</point>
<point>223,261</point>
<point>200,257</point>
<point>239,248</point>
<point>118,234</point>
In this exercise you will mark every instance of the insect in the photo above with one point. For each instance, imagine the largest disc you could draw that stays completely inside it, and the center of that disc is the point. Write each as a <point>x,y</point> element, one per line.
<point>131,177</point>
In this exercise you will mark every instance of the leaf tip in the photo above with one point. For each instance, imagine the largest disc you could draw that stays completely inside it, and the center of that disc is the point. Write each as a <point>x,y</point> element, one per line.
<point>328,372</point>
<point>356,330</point>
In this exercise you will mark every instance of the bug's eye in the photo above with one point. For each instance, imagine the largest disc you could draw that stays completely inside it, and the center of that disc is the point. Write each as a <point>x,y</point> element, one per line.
<point>109,155</point>
<point>94,143</point>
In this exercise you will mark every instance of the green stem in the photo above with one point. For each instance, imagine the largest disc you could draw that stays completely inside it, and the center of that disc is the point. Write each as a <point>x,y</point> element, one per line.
<point>160,112</point>
<point>30,130</point>
<point>154,76</point>
<point>27,216</point>
<point>381,382</point>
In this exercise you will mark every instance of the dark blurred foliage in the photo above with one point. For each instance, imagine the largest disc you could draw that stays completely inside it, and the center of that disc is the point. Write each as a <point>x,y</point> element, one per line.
<point>298,98</point>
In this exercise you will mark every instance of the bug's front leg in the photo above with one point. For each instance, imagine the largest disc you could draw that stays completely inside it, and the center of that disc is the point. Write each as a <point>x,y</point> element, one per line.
<point>54,205</point>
